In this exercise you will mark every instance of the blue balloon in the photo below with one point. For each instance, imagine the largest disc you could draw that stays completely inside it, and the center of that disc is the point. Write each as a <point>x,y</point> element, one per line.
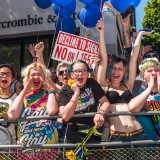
<point>98,2</point>
<point>86,1</point>
<point>65,11</point>
<point>89,15</point>
<point>61,2</point>
<point>43,3</point>
<point>122,5</point>
<point>66,24</point>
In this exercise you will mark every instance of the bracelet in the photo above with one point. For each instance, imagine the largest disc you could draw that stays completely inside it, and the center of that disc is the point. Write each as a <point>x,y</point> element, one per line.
<point>51,90</point>
<point>73,101</point>
<point>100,114</point>
<point>101,110</point>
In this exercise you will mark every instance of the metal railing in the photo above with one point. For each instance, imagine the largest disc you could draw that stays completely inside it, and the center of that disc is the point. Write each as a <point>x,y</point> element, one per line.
<point>132,150</point>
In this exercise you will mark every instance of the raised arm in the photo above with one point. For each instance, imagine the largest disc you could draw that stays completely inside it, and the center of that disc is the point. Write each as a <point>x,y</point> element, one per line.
<point>39,48</point>
<point>102,65</point>
<point>133,59</point>
<point>126,31</point>
<point>33,52</point>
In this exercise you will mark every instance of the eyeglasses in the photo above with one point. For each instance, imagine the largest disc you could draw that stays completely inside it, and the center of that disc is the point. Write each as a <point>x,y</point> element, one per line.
<point>61,73</point>
<point>151,55</point>
<point>117,69</point>
<point>83,71</point>
<point>8,74</point>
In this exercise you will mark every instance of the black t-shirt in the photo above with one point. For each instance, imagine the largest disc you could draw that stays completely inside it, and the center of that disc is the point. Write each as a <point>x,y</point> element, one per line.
<point>90,94</point>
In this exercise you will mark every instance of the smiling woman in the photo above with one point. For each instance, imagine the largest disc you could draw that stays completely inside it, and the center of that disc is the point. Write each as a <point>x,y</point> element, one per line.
<point>36,99</point>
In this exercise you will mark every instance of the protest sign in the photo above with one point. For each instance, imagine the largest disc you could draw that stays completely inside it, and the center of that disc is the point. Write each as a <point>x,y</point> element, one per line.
<point>70,47</point>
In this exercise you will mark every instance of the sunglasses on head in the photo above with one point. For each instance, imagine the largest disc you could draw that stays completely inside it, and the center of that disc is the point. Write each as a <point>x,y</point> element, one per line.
<point>61,73</point>
<point>151,55</point>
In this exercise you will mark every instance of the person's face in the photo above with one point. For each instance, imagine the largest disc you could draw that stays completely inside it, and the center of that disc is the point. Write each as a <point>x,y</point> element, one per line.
<point>5,77</point>
<point>53,74</point>
<point>63,76</point>
<point>151,71</point>
<point>36,74</point>
<point>80,74</point>
<point>118,71</point>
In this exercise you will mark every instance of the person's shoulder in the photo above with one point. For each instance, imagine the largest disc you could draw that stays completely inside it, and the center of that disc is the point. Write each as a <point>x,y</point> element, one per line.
<point>90,80</point>
<point>66,88</point>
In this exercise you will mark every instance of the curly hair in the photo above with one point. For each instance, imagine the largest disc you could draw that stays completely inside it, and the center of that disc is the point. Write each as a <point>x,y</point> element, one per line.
<point>26,71</point>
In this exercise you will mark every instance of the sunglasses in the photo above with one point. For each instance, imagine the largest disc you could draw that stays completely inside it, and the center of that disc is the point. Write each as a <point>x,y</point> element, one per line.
<point>151,55</point>
<point>61,73</point>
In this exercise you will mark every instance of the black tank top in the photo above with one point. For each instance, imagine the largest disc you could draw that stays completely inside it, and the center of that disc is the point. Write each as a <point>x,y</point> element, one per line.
<point>114,97</point>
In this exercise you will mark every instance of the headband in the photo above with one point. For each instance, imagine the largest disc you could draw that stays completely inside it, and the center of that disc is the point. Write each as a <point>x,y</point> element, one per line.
<point>70,69</point>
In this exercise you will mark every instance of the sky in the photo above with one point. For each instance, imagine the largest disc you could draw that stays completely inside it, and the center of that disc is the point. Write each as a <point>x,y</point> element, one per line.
<point>140,14</point>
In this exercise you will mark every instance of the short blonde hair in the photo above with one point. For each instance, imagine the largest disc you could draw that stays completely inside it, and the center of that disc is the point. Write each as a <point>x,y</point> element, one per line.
<point>148,64</point>
<point>26,71</point>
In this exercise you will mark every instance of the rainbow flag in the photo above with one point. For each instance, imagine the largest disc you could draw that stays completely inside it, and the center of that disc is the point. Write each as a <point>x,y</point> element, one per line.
<point>108,8</point>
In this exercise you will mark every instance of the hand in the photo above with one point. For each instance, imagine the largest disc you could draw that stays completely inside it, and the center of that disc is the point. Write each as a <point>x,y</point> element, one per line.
<point>100,26</point>
<point>32,50</point>
<point>98,120</point>
<point>143,33</point>
<point>126,21</point>
<point>46,85</point>
<point>146,49</point>
<point>39,49</point>
<point>28,87</point>
<point>151,82</point>
<point>75,88</point>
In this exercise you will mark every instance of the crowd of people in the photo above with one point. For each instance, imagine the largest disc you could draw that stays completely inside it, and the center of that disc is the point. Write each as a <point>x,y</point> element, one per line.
<point>111,87</point>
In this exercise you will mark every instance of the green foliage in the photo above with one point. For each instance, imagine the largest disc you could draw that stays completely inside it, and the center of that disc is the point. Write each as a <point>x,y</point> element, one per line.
<point>152,20</point>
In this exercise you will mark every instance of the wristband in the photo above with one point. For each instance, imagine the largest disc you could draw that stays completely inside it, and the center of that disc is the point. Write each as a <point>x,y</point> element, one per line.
<point>100,113</point>
<point>51,90</point>
<point>101,110</point>
<point>73,101</point>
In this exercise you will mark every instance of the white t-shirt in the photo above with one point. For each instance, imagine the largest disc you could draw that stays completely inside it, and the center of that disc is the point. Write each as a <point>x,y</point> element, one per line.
<point>8,133</point>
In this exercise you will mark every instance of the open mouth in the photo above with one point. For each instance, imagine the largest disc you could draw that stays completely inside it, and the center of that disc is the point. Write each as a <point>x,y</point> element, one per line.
<point>65,78</point>
<point>80,80</point>
<point>116,76</point>
<point>36,83</point>
<point>4,81</point>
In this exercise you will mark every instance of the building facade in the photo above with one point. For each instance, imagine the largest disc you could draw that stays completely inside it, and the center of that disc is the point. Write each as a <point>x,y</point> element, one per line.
<point>23,22</point>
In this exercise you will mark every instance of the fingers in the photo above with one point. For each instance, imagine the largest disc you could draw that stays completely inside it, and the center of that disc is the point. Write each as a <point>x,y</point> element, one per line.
<point>98,120</point>
<point>39,45</point>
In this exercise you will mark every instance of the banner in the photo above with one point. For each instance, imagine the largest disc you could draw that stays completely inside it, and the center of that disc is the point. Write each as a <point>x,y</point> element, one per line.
<point>70,47</point>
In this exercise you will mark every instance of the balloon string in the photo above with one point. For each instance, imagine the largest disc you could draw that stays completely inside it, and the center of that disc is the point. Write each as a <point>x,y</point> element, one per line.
<point>100,11</point>
<point>52,45</point>
<point>101,7</point>
<point>83,27</point>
